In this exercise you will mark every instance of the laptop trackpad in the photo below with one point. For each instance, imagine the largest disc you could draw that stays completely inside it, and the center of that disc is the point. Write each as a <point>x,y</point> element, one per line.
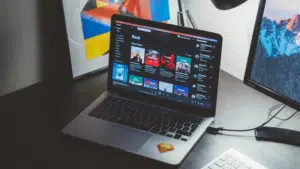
<point>125,138</point>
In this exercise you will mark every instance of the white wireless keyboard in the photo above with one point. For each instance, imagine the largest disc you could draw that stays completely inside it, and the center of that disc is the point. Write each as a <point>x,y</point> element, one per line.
<point>232,159</point>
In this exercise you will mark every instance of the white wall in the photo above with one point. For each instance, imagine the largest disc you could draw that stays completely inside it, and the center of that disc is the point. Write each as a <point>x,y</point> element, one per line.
<point>33,44</point>
<point>236,26</point>
<point>19,45</point>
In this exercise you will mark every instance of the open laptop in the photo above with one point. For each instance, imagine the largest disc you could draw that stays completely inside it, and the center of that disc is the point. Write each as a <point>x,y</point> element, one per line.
<point>162,90</point>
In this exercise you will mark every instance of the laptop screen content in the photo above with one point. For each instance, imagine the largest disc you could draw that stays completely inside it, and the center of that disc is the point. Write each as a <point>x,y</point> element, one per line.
<point>166,64</point>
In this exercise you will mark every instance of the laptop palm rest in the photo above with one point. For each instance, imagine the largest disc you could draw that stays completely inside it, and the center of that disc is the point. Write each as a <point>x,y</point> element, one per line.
<point>116,135</point>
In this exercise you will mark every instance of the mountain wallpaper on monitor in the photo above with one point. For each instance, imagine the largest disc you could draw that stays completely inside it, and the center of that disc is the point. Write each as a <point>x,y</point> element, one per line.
<point>277,59</point>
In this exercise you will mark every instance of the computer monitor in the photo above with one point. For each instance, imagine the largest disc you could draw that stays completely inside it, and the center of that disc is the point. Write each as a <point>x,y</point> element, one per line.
<point>274,61</point>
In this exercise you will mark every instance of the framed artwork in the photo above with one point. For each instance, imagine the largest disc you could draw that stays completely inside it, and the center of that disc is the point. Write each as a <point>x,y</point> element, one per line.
<point>88,27</point>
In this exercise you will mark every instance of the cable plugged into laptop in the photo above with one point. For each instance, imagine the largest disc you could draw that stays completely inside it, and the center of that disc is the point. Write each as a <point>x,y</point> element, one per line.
<point>263,133</point>
<point>215,131</point>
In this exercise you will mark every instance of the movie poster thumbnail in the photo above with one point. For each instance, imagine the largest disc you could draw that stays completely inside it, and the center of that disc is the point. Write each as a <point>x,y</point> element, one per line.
<point>168,62</point>
<point>151,84</point>
<point>137,54</point>
<point>136,80</point>
<point>181,91</point>
<point>120,72</point>
<point>183,65</point>
<point>152,58</point>
<point>166,87</point>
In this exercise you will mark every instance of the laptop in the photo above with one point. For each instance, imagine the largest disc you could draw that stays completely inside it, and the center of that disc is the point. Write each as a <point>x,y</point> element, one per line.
<point>161,94</point>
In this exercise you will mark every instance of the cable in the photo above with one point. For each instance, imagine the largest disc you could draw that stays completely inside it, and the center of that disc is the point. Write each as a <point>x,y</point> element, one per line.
<point>277,106</point>
<point>289,117</point>
<point>213,130</point>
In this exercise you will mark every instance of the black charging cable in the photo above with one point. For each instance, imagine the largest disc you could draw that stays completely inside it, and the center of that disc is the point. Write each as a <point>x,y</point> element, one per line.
<point>216,131</point>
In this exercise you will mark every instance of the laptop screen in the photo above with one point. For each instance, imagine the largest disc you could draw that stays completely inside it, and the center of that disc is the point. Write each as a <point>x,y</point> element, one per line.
<point>171,65</point>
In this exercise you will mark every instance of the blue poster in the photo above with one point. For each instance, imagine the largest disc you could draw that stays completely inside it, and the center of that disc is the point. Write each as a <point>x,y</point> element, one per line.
<point>120,72</point>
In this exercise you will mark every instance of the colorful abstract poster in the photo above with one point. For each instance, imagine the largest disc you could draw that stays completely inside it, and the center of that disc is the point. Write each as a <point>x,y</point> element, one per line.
<point>96,16</point>
<point>88,27</point>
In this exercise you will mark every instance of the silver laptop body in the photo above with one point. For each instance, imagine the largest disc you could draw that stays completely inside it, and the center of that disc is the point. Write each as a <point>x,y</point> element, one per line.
<point>164,143</point>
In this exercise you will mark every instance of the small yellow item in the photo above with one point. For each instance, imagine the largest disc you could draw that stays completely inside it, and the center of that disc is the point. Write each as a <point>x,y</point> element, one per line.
<point>165,147</point>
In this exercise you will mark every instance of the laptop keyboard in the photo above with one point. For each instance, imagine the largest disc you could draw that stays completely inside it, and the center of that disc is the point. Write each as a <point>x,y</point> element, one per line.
<point>152,119</point>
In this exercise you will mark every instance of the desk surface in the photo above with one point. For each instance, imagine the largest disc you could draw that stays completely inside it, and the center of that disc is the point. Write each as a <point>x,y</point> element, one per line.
<point>33,118</point>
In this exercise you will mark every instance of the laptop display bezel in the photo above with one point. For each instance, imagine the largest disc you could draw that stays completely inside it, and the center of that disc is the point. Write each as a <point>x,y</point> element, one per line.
<point>193,110</point>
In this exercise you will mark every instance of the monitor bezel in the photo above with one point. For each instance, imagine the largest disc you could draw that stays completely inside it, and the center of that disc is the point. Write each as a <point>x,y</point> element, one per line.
<point>247,78</point>
<point>194,110</point>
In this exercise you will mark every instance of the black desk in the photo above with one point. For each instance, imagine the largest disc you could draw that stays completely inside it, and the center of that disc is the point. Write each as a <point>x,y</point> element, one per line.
<point>33,117</point>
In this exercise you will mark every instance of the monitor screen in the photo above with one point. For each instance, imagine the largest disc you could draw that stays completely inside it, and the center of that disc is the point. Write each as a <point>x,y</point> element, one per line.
<point>171,65</point>
<point>276,64</point>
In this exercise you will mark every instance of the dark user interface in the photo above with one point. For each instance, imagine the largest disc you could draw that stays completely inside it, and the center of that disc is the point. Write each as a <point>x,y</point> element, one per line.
<point>166,64</point>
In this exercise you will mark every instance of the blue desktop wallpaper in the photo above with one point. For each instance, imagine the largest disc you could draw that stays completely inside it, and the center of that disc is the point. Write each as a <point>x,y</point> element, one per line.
<point>277,58</point>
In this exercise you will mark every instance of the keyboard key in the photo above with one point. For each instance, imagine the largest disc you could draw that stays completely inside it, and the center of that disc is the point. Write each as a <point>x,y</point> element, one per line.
<point>173,120</point>
<point>183,133</point>
<point>187,124</point>
<point>152,124</point>
<point>179,127</point>
<point>224,157</point>
<point>235,157</point>
<point>248,165</point>
<point>166,122</point>
<point>172,130</point>
<point>165,128</point>
<point>236,165</point>
<point>186,129</point>
<point>169,135</point>
<point>138,115</point>
<point>183,139</point>
<point>163,133</point>
<point>180,122</point>
<point>213,166</point>
<point>172,125</point>
<point>220,163</point>
<point>192,130</point>
<point>194,126</point>
<point>230,161</point>
<point>243,167</point>
<point>151,118</point>
<point>177,136</point>
<point>227,167</point>
<point>196,121</point>
<point>206,168</point>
